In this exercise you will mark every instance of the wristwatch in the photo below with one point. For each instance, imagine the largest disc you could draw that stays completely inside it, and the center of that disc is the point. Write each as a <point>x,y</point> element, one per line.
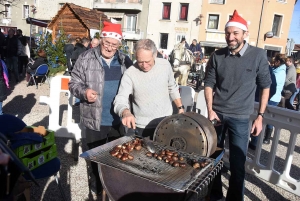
<point>261,114</point>
<point>181,107</point>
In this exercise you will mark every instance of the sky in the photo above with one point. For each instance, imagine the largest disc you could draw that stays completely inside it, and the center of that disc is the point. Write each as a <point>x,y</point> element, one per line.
<point>295,24</point>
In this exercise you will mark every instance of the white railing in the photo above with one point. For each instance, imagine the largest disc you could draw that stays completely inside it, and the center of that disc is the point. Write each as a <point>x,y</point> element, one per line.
<point>281,119</point>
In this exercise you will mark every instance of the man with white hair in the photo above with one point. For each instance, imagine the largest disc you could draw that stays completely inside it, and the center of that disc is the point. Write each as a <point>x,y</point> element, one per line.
<point>95,81</point>
<point>233,74</point>
<point>151,83</point>
<point>95,42</point>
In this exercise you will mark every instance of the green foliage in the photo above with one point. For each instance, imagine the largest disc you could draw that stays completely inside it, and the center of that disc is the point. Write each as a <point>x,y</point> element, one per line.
<point>55,51</point>
<point>97,35</point>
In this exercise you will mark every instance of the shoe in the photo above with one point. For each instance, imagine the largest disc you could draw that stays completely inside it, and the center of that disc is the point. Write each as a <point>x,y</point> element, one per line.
<point>267,136</point>
<point>76,104</point>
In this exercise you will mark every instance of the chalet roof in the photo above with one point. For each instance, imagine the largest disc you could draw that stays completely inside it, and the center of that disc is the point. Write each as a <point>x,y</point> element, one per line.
<point>297,47</point>
<point>89,17</point>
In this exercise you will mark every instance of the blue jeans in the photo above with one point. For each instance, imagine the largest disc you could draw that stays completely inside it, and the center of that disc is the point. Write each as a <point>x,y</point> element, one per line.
<point>1,112</point>
<point>12,65</point>
<point>238,132</point>
<point>292,98</point>
<point>255,138</point>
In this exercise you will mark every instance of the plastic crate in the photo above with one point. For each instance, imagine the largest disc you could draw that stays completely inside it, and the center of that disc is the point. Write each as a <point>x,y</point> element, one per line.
<point>38,158</point>
<point>25,150</point>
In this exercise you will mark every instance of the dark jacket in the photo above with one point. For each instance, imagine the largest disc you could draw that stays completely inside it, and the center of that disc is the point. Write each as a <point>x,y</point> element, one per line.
<point>33,66</point>
<point>12,47</point>
<point>69,49</point>
<point>78,49</point>
<point>89,73</point>
<point>196,48</point>
<point>3,88</point>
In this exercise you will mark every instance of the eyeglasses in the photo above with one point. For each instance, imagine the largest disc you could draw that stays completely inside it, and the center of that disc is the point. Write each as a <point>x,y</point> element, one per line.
<point>107,44</point>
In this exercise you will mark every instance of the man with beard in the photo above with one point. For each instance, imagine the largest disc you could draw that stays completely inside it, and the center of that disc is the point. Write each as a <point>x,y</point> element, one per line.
<point>232,74</point>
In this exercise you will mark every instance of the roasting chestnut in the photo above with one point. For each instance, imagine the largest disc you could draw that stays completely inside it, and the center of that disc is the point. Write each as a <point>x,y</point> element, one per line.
<point>164,157</point>
<point>138,147</point>
<point>155,155</point>
<point>175,154</point>
<point>175,164</point>
<point>167,160</point>
<point>126,151</point>
<point>114,153</point>
<point>196,165</point>
<point>124,158</point>
<point>171,162</point>
<point>163,152</point>
<point>130,157</point>
<point>181,158</point>
<point>159,157</point>
<point>182,165</point>
<point>149,154</point>
<point>174,158</point>
<point>119,155</point>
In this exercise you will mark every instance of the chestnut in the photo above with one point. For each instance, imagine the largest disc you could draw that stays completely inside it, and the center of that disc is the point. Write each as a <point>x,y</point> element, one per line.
<point>175,158</point>
<point>196,165</point>
<point>155,155</point>
<point>149,154</point>
<point>181,158</point>
<point>119,155</point>
<point>138,147</point>
<point>175,164</point>
<point>114,153</point>
<point>159,157</point>
<point>182,165</point>
<point>171,162</point>
<point>130,157</point>
<point>175,154</point>
<point>167,160</point>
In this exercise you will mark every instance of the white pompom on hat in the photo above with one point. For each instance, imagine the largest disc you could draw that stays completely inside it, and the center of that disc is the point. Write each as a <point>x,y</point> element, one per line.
<point>237,21</point>
<point>111,30</point>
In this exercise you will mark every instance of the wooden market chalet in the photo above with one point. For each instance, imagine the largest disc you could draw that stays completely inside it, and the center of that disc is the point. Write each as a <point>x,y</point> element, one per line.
<point>76,20</point>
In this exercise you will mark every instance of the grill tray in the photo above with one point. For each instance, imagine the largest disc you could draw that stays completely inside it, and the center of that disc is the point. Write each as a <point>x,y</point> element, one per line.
<point>175,178</point>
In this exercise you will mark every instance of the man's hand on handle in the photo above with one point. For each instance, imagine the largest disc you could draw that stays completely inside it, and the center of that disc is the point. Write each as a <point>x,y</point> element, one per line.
<point>91,95</point>
<point>180,111</point>
<point>128,119</point>
<point>212,116</point>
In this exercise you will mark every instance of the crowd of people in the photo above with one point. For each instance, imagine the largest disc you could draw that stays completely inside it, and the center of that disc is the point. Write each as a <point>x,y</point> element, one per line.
<point>118,97</point>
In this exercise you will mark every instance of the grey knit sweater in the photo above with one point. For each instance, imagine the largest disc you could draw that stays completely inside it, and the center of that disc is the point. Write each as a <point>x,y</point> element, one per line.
<point>234,79</point>
<point>290,79</point>
<point>151,93</point>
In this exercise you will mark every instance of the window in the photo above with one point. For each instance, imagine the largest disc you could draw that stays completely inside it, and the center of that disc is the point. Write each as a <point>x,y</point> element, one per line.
<point>7,10</point>
<point>164,40</point>
<point>183,15</point>
<point>131,23</point>
<point>213,21</point>
<point>179,36</point>
<point>276,25</point>
<point>230,16</point>
<point>60,5</point>
<point>166,11</point>
<point>25,11</point>
<point>217,1</point>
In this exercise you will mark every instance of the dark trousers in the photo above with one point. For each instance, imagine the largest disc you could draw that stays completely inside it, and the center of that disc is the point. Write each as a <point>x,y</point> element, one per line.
<point>285,102</point>
<point>23,61</point>
<point>98,138</point>
<point>238,132</point>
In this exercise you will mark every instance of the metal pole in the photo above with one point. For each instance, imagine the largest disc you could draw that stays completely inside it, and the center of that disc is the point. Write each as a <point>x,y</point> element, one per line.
<point>262,9</point>
<point>30,34</point>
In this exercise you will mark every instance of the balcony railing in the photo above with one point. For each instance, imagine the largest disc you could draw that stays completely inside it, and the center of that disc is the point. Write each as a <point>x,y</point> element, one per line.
<point>217,1</point>
<point>137,31</point>
<point>121,1</point>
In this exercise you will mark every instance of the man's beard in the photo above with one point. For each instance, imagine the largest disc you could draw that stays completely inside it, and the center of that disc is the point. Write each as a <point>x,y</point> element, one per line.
<point>235,46</point>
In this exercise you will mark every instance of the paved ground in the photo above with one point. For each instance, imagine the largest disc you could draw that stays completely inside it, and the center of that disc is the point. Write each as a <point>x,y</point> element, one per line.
<point>24,102</point>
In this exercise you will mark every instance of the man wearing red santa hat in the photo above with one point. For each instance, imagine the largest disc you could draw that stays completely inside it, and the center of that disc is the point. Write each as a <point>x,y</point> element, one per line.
<point>95,81</point>
<point>233,73</point>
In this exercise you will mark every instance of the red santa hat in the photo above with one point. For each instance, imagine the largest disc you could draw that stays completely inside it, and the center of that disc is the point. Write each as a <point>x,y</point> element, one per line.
<point>237,21</point>
<point>111,30</point>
